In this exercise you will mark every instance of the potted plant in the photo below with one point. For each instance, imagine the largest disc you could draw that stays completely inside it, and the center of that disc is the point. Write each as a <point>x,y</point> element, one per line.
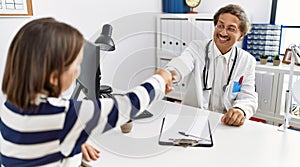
<point>276,60</point>
<point>263,59</point>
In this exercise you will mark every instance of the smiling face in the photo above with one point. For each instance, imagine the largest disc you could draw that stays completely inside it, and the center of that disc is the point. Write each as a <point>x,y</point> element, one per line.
<point>227,32</point>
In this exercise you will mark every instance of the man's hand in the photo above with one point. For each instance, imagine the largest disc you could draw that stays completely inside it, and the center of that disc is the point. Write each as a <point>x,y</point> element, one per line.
<point>168,77</point>
<point>89,153</point>
<point>234,117</point>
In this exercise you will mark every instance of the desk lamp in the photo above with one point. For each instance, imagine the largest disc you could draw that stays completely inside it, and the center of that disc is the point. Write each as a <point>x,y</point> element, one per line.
<point>294,58</point>
<point>105,43</point>
<point>89,79</point>
<point>90,76</point>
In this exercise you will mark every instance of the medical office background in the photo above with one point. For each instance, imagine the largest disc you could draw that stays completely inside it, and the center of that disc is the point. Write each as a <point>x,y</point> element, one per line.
<point>134,30</point>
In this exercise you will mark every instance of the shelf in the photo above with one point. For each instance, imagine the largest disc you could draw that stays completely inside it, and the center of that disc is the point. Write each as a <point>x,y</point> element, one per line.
<point>282,68</point>
<point>279,86</point>
<point>174,33</point>
<point>263,39</point>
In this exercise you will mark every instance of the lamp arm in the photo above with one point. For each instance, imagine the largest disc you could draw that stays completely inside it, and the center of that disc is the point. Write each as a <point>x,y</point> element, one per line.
<point>288,106</point>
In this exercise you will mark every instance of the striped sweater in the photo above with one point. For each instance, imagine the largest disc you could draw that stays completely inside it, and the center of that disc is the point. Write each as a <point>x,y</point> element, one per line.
<point>52,134</point>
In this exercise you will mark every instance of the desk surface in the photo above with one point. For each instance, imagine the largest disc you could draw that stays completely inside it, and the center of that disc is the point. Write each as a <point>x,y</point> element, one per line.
<point>252,145</point>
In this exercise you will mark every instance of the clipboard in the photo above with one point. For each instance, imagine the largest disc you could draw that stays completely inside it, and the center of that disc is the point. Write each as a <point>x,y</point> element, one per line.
<point>186,131</point>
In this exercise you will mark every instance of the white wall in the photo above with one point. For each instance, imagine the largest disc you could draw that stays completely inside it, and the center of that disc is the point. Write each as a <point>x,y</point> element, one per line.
<point>258,11</point>
<point>88,16</point>
<point>134,58</point>
<point>134,28</point>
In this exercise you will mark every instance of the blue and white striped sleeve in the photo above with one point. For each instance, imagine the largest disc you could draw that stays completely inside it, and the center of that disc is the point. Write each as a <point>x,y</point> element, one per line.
<point>120,108</point>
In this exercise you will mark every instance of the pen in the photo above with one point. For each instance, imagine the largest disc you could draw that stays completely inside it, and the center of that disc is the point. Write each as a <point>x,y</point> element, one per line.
<point>189,135</point>
<point>241,79</point>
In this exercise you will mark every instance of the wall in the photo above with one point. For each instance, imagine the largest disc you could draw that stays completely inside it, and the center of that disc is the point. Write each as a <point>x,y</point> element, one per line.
<point>88,17</point>
<point>258,11</point>
<point>134,58</point>
<point>134,30</point>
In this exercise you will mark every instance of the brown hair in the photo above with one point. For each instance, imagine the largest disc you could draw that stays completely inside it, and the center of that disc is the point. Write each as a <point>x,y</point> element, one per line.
<point>239,13</point>
<point>39,48</point>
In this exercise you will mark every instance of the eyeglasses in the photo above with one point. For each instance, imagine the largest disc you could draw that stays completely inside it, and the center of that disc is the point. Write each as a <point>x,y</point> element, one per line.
<point>229,29</point>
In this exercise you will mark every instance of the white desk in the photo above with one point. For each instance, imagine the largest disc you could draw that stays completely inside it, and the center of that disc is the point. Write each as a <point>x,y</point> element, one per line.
<point>252,145</point>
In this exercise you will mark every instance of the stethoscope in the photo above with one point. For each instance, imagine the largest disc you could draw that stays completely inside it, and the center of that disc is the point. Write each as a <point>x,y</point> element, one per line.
<point>206,68</point>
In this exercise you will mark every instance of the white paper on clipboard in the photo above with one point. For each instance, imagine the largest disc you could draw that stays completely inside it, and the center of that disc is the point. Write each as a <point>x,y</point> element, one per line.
<point>195,127</point>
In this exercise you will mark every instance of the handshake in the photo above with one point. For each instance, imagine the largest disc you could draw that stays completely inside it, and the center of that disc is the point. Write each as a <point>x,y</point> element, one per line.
<point>168,77</point>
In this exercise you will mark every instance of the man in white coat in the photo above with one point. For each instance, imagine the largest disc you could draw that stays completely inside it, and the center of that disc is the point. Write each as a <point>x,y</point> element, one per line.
<point>221,75</point>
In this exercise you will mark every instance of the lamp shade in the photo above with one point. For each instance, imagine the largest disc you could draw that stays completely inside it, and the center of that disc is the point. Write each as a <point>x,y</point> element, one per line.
<point>104,40</point>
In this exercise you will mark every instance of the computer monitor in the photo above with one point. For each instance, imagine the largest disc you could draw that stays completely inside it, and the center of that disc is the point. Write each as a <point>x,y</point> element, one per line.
<point>289,35</point>
<point>89,80</point>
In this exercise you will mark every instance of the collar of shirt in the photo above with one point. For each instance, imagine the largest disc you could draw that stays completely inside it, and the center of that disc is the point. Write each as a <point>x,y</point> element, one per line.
<point>218,53</point>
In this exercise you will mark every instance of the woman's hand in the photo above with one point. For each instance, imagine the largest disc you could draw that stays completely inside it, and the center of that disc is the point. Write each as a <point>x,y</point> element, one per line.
<point>89,153</point>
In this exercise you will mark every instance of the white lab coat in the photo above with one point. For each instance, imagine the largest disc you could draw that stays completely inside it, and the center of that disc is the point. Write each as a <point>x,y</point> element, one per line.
<point>191,63</point>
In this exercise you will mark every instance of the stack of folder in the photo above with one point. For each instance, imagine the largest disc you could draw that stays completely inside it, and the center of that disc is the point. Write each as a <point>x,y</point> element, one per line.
<point>175,6</point>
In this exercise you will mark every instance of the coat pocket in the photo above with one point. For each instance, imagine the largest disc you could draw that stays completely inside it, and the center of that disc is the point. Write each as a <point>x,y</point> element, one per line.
<point>231,93</point>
